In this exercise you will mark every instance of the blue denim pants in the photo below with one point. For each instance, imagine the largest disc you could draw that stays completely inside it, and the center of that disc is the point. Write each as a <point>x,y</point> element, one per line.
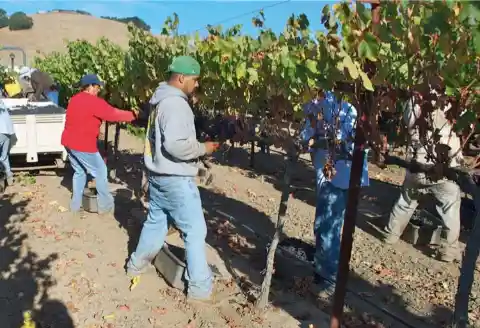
<point>329,215</point>
<point>5,140</point>
<point>178,199</point>
<point>53,96</point>
<point>93,164</point>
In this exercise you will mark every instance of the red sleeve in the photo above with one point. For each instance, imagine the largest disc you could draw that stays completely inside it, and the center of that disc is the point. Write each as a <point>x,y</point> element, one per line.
<point>104,111</point>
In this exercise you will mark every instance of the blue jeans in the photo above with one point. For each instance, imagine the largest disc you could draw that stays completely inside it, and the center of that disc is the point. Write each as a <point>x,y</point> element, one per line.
<point>176,198</point>
<point>53,97</point>
<point>4,151</point>
<point>329,215</point>
<point>93,164</point>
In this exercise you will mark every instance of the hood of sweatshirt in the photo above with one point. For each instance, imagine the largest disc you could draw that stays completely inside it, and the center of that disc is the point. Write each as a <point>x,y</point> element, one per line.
<point>164,91</point>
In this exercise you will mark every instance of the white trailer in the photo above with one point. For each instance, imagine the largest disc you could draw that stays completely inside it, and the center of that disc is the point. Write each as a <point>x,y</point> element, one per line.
<point>38,130</point>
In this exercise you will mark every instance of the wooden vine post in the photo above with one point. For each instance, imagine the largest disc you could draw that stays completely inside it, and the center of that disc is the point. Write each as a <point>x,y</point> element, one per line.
<point>353,197</point>
<point>116,142</point>
<point>290,160</point>
<point>469,260</point>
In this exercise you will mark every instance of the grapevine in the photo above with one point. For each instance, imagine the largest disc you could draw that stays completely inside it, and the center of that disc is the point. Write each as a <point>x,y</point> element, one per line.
<point>414,48</point>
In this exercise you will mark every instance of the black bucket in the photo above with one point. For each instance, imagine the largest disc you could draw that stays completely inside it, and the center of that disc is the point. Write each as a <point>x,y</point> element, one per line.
<point>294,258</point>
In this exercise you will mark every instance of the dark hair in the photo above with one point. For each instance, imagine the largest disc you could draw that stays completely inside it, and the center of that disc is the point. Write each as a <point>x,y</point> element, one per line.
<point>173,76</point>
<point>85,87</point>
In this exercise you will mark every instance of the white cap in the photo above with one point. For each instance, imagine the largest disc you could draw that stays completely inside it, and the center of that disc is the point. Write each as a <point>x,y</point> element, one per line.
<point>24,72</point>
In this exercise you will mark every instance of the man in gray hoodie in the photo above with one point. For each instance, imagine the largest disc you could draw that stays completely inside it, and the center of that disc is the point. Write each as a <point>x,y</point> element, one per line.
<point>171,158</point>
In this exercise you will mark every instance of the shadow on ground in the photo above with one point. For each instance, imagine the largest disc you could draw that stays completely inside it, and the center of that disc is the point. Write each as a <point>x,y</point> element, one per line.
<point>125,172</point>
<point>240,235</point>
<point>381,193</point>
<point>26,280</point>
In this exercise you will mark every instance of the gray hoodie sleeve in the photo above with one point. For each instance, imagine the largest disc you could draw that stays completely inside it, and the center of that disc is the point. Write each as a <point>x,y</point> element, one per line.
<point>178,130</point>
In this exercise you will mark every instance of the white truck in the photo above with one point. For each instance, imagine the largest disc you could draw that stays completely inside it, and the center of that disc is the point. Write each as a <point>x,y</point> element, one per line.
<point>38,129</point>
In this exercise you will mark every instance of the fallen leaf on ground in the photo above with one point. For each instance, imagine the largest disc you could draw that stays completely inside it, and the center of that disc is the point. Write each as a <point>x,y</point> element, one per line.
<point>72,307</point>
<point>134,282</point>
<point>123,307</point>
<point>73,233</point>
<point>385,272</point>
<point>160,310</point>
<point>382,271</point>
<point>62,209</point>
<point>108,316</point>
<point>46,230</point>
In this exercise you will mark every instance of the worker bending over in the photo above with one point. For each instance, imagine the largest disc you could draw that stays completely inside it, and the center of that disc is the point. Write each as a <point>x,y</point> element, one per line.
<point>37,85</point>
<point>446,192</point>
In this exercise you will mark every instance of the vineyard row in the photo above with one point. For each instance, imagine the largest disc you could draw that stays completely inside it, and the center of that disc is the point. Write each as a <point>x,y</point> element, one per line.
<point>415,45</point>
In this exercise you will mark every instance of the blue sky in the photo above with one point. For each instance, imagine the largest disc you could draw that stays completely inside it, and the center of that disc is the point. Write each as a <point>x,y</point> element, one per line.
<point>193,15</point>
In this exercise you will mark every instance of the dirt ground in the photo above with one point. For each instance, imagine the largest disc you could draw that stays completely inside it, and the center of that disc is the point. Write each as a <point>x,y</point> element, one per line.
<point>70,271</point>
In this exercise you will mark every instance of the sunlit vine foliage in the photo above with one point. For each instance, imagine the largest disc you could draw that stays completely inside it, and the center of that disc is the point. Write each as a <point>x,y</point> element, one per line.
<point>269,77</point>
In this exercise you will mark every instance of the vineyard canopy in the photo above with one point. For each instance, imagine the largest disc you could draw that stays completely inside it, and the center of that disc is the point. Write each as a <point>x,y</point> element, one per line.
<point>416,44</point>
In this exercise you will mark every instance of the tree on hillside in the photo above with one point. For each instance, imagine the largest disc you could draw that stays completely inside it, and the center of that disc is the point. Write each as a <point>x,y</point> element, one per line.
<point>83,12</point>
<point>20,21</point>
<point>78,11</point>
<point>138,22</point>
<point>3,18</point>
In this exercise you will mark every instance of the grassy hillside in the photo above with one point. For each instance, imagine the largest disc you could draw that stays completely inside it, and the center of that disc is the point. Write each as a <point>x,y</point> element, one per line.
<point>51,30</point>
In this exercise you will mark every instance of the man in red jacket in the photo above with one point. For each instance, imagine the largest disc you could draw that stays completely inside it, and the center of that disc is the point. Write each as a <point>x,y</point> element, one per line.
<point>85,113</point>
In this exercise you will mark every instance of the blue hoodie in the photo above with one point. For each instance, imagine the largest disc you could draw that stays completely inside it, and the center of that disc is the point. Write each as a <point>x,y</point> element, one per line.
<point>171,145</point>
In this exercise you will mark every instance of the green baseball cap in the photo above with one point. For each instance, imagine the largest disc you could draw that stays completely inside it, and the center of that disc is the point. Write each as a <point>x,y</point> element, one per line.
<point>184,65</point>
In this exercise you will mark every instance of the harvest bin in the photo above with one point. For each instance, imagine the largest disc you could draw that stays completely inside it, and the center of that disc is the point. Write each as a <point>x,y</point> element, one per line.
<point>288,265</point>
<point>170,263</point>
<point>423,229</point>
<point>38,128</point>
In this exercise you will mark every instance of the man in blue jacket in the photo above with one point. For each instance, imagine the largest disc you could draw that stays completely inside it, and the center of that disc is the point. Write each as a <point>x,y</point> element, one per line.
<point>171,159</point>
<point>330,121</point>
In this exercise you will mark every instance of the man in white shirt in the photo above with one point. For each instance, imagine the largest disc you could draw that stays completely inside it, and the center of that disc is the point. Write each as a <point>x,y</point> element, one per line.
<point>337,119</point>
<point>446,192</point>
<point>6,134</point>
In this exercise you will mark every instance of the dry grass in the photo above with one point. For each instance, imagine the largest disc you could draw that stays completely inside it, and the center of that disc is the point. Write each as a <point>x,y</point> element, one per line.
<point>51,30</point>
